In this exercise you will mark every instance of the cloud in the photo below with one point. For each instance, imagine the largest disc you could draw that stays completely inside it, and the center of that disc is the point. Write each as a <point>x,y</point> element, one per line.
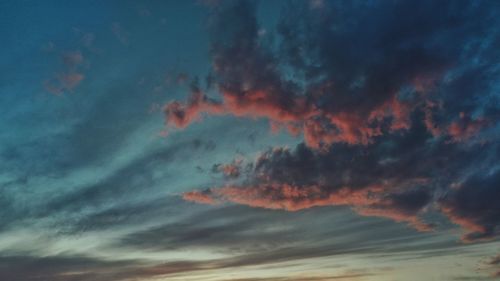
<point>495,262</point>
<point>67,268</point>
<point>249,234</point>
<point>122,182</point>
<point>246,236</point>
<point>394,102</point>
<point>231,170</point>
<point>347,276</point>
<point>466,127</point>
<point>71,75</point>
<point>72,59</point>
<point>181,115</point>
<point>474,205</point>
<point>120,33</point>
<point>229,229</point>
<point>399,177</point>
<point>199,197</point>
<point>367,179</point>
<point>336,81</point>
<point>292,198</point>
<point>81,268</point>
<point>88,39</point>
<point>391,102</point>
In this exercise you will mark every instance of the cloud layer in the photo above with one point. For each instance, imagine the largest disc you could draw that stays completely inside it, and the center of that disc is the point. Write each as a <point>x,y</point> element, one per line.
<point>322,135</point>
<point>396,103</point>
<point>347,73</point>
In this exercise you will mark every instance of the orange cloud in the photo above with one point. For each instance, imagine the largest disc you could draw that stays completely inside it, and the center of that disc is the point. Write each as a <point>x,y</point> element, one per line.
<point>466,127</point>
<point>198,197</point>
<point>370,201</point>
<point>297,114</point>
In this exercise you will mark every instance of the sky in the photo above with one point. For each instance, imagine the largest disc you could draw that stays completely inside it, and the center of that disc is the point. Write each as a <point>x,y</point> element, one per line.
<point>280,140</point>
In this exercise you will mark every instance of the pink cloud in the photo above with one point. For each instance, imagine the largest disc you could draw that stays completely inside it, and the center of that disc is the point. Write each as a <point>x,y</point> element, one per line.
<point>198,197</point>
<point>70,76</point>
<point>369,201</point>
<point>297,115</point>
<point>466,127</point>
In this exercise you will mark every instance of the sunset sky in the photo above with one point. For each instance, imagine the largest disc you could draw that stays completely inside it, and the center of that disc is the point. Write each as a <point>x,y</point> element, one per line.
<point>215,140</point>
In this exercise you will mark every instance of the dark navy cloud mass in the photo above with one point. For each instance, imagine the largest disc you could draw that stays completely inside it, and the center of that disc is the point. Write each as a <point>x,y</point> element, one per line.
<point>376,91</point>
<point>249,140</point>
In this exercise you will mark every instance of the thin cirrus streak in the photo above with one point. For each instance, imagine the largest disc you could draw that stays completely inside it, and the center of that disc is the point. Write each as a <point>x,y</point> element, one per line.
<point>392,125</point>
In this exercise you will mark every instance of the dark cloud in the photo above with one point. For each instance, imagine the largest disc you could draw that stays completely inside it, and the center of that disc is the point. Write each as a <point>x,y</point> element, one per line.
<point>67,268</point>
<point>349,72</point>
<point>396,106</point>
<point>231,229</point>
<point>250,236</point>
<point>347,276</point>
<point>400,177</point>
<point>394,101</point>
<point>475,204</point>
<point>81,268</point>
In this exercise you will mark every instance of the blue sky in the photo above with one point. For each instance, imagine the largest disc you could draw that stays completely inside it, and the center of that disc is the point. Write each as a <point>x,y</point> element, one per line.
<point>249,140</point>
